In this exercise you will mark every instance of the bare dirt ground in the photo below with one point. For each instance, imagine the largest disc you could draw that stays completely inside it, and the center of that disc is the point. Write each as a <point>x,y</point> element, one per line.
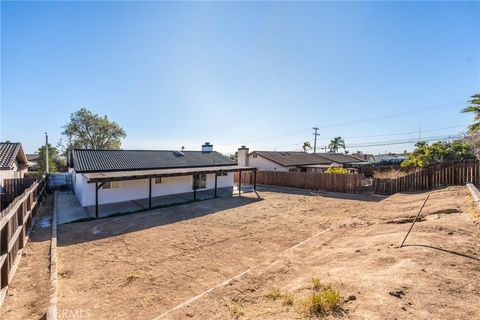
<point>29,292</point>
<point>140,266</point>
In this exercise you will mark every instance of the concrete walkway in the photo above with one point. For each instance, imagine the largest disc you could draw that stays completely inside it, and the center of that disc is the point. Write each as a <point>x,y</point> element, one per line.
<point>69,209</point>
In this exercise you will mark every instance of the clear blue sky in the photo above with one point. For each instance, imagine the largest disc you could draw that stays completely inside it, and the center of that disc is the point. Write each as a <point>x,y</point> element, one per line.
<point>179,74</point>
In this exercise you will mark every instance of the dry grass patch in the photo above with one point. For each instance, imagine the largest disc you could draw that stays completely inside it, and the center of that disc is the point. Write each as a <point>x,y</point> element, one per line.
<point>322,301</point>
<point>390,174</point>
<point>288,299</point>
<point>273,294</point>
<point>131,277</point>
<point>236,310</point>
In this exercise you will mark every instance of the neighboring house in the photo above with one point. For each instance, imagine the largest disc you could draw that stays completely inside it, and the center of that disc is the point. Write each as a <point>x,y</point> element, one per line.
<point>33,159</point>
<point>13,162</point>
<point>344,159</point>
<point>390,159</point>
<point>364,156</point>
<point>292,161</point>
<point>108,176</point>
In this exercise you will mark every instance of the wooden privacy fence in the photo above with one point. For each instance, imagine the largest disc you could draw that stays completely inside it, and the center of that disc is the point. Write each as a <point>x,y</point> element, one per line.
<point>450,173</point>
<point>12,188</point>
<point>348,183</point>
<point>15,222</point>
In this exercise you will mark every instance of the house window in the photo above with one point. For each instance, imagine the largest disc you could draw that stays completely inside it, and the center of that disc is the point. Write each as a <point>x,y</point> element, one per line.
<point>160,180</point>
<point>111,185</point>
<point>200,181</point>
<point>254,155</point>
<point>222,174</point>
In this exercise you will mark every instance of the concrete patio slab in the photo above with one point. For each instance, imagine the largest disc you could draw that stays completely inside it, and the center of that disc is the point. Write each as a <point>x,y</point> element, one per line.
<point>69,209</point>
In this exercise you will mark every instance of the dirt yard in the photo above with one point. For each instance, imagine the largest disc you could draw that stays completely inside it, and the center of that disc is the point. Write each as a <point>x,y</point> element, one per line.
<point>29,293</point>
<point>142,265</point>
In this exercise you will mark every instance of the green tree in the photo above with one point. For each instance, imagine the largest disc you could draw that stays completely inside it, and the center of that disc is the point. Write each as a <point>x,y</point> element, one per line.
<point>54,159</point>
<point>425,155</point>
<point>336,143</point>
<point>474,107</point>
<point>87,130</point>
<point>306,146</point>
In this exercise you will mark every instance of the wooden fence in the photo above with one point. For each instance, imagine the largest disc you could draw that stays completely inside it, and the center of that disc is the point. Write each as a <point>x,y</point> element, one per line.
<point>348,183</point>
<point>15,223</point>
<point>12,188</point>
<point>449,173</point>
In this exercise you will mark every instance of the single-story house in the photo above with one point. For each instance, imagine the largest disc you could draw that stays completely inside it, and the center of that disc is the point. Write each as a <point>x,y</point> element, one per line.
<point>13,162</point>
<point>33,160</point>
<point>108,176</point>
<point>291,161</point>
<point>344,159</point>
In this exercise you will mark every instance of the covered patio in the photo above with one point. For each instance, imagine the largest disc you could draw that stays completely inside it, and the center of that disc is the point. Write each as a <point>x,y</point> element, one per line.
<point>100,178</point>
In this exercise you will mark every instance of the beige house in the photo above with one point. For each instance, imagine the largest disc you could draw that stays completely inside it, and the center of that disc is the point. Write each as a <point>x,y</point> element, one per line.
<point>13,162</point>
<point>290,161</point>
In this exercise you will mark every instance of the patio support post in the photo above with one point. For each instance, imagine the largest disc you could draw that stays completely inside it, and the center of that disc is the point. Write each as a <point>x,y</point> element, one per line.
<point>96,200</point>
<point>97,186</point>
<point>150,193</point>
<point>255,180</point>
<point>216,178</point>
<point>240,183</point>
<point>194,187</point>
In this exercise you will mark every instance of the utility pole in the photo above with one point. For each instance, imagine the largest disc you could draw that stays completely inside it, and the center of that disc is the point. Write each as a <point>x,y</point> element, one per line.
<point>46,154</point>
<point>419,130</point>
<point>315,141</point>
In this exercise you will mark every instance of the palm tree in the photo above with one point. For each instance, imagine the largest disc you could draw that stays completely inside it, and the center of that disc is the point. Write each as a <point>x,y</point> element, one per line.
<point>306,146</point>
<point>474,108</point>
<point>336,143</point>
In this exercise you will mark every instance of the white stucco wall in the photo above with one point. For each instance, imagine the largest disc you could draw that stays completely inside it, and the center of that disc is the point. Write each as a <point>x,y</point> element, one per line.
<point>264,164</point>
<point>138,189</point>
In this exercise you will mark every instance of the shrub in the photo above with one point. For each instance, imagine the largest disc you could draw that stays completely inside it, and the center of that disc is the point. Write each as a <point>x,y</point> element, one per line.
<point>337,170</point>
<point>317,285</point>
<point>236,310</point>
<point>320,303</point>
<point>288,299</point>
<point>273,294</point>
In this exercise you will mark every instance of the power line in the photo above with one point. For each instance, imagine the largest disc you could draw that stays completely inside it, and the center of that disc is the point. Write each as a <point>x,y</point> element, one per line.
<point>394,115</point>
<point>404,141</point>
<point>387,142</point>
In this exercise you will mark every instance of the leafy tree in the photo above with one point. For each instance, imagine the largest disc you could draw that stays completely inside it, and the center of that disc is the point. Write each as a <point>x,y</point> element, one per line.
<point>336,143</point>
<point>234,156</point>
<point>306,146</point>
<point>337,170</point>
<point>54,159</point>
<point>87,130</point>
<point>474,108</point>
<point>425,155</point>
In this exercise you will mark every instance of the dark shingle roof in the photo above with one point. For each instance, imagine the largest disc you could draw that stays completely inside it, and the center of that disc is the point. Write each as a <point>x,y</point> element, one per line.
<point>290,158</point>
<point>339,158</point>
<point>83,160</point>
<point>9,152</point>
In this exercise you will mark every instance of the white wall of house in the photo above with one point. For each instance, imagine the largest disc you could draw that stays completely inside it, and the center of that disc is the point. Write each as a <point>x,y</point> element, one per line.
<point>138,189</point>
<point>264,164</point>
